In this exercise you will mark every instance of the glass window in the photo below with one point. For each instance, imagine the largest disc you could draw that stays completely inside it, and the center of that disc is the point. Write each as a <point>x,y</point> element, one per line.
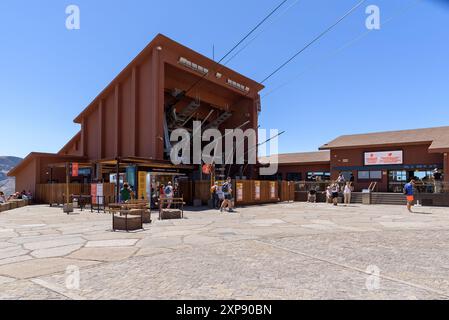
<point>375,175</point>
<point>323,176</point>
<point>294,176</point>
<point>363,175</point>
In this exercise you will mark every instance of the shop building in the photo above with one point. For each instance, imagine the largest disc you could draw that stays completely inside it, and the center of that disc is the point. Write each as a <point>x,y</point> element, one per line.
<point>386,160</point>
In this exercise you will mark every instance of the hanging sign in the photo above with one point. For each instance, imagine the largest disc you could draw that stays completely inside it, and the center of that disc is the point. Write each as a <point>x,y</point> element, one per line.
<point>239,187</point>
<point>272,189</point>
<point>100,194</point>
<point>75,169</point>
<point>256,190</point>
<point>142,185</point>
<point>93,193</point>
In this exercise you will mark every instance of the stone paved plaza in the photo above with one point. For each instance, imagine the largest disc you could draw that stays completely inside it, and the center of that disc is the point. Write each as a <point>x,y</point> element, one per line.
<point>279,251</point>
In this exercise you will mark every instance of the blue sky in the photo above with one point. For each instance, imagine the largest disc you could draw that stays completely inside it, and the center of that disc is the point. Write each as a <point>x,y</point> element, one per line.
<point>393,78</point>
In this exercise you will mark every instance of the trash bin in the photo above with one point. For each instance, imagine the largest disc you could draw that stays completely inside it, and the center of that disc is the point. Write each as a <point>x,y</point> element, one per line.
<point>366,196</point>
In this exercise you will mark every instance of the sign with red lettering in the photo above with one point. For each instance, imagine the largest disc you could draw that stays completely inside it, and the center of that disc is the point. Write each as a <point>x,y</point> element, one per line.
<point>384,157</point>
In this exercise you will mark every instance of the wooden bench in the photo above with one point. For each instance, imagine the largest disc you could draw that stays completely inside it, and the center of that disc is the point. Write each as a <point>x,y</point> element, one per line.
<point>177,212</point>
<point>127,220</point>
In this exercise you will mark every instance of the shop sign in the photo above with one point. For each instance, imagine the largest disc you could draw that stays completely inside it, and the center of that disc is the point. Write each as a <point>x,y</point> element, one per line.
<point>384,157</point>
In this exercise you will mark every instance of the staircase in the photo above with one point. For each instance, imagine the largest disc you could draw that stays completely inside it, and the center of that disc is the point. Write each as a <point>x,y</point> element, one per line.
<point>186,113</point>
<point>381,198</point>
<point>388,198</point>
<point>220,120</point>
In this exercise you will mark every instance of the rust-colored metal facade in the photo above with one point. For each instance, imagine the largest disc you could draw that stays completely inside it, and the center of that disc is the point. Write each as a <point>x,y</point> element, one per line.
<point>126,120</point>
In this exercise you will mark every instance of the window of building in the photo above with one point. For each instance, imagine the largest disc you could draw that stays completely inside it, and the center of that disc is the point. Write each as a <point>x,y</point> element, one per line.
<point>275,177</point>
<point>294,176</point>
<point>323,176</point>
<point>397,176</point>
<point>370,175</point>
<point>377,175</point>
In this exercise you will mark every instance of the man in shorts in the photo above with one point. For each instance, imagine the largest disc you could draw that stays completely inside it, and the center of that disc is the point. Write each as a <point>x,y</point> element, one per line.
<point>227,191</point>
<point>410,194</point>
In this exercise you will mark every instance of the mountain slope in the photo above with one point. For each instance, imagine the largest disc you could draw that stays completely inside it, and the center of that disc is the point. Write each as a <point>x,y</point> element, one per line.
<point>7,184</point>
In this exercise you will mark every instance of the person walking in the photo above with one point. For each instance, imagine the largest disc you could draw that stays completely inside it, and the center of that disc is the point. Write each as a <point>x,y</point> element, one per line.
<point>227,191</point>
<point>169,194</point>
<point>409,192</point>
<point>347,193</point>
<point>335,189</point>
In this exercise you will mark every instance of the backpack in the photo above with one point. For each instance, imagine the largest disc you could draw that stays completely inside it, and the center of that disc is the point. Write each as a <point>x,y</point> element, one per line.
<point>167,190</point>
<point>225,188</point>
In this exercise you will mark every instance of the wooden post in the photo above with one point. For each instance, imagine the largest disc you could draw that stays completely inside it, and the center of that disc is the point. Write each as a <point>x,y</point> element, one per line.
<point>67,177</point>
<point>117,184</point>
<point>51,186</point>
<point>67,207</point>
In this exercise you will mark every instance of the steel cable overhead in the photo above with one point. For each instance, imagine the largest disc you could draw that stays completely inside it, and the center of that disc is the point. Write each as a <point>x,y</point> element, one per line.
<point>238,44</point>
<point>322,34</point>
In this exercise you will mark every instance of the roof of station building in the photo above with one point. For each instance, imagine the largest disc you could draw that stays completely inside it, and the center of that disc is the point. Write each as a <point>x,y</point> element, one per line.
<point>437,138</point>
<point>298,158</point>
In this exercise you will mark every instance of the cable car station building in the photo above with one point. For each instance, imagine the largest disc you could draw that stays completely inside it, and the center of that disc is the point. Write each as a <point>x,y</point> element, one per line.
<point>166,87</point>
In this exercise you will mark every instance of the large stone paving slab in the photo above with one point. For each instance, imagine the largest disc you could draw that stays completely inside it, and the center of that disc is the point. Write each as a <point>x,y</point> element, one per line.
<point>39,267</point>
<point>282,251</point>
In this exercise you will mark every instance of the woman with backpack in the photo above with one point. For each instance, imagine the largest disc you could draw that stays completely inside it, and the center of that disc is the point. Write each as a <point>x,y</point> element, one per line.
<point>227,191</point>
<point>168,191</point>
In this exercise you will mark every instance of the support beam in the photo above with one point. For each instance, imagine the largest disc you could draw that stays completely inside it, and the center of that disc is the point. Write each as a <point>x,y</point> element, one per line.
<point>157,103</point>
<point>117,120</point>
<point>117,184</point>
<point>101,140</point>
<point>84,136</point>
<point>446,168</point>
<point>133,113</point>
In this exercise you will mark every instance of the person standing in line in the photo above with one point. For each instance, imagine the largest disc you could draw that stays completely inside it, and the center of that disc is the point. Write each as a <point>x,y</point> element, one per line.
<point>347,192</point>
<point>410,194</point>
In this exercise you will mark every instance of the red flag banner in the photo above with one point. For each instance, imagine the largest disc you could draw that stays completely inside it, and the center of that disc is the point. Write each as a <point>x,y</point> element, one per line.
<point>75,169</point>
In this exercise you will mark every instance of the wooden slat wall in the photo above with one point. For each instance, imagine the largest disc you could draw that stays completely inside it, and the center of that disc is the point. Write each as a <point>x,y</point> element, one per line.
<point>46,193</point>
<point>202,190</point>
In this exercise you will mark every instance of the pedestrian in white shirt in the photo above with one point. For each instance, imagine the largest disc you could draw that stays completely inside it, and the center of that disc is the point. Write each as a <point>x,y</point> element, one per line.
<point>347,193</point>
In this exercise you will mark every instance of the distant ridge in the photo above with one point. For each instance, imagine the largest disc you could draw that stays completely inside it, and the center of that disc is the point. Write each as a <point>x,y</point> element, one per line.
<point>7,184</point>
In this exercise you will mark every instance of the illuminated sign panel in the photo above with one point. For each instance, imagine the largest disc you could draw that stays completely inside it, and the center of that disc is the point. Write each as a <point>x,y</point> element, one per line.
<point>384,157</point>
